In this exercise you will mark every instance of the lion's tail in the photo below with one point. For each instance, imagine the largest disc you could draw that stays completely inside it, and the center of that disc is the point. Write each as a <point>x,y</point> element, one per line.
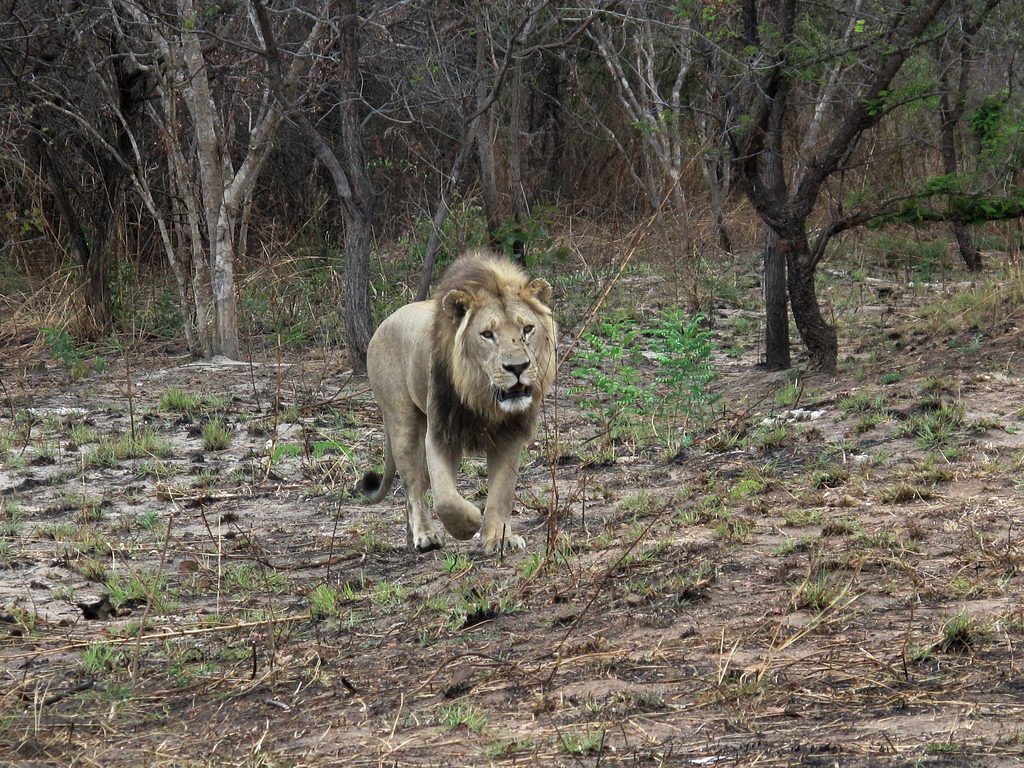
<point>373,485</point>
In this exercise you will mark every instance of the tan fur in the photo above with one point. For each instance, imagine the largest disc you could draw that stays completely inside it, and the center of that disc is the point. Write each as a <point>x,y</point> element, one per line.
<point>464,373</point>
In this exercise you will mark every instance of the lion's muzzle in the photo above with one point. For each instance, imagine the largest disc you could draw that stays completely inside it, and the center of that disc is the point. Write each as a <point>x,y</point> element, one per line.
<point>514,399</point>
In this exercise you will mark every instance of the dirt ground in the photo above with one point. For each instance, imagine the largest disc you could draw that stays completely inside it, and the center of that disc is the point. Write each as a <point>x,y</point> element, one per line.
<point>839,585</point>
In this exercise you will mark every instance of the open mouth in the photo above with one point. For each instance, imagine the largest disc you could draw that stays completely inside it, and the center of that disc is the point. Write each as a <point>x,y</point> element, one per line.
<point>514,393</point>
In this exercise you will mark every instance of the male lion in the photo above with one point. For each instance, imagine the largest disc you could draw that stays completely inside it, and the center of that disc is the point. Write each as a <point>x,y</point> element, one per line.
<point>464,373</point>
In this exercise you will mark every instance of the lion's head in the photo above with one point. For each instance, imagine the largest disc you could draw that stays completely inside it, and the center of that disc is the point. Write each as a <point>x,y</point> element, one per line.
<point>494,337</point>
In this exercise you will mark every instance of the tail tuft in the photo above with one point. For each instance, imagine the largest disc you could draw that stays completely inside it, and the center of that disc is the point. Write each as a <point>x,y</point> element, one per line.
<point>370,483</point>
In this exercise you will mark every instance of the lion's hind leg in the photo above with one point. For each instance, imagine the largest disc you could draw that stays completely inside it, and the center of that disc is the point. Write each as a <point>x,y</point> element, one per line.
<point>422,534</point>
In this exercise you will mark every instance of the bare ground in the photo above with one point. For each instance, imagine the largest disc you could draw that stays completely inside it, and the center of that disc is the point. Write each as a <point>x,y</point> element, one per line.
<point>775,594</point>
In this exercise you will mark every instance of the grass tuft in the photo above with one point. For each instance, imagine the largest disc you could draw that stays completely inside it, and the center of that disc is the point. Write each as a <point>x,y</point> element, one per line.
<point>216,435</point>
<point>959,634</point>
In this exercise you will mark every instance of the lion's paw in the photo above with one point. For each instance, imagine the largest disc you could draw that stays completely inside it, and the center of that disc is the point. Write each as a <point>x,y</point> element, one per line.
<point>460,518</point>
<point>428,540</point>
<point>512,543</point>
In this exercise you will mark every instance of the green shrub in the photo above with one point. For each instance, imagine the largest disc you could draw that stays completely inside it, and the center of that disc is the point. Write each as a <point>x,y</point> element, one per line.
<point>656,374</point>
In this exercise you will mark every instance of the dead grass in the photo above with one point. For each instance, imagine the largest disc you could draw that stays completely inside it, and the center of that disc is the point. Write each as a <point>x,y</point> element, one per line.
<point>806,594</point>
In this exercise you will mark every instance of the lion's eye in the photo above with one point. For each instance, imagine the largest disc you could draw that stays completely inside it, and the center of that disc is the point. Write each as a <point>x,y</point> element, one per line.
<point>527,330</point>
<point>487,334</point>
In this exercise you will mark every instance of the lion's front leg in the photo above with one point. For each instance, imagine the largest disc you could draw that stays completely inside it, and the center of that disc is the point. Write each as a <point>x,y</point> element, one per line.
<point>502,473</point>
<point>420,532</point>
<point>407,445</point>
<point>460,518</point>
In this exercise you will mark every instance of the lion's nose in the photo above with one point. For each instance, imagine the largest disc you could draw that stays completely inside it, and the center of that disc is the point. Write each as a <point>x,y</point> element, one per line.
<point>516,368</point>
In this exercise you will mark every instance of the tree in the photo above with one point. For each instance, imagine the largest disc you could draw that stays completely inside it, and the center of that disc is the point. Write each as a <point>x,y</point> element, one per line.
<point>75,98</point>
<point>978,179</point>
<point>758,58</point>
<point>504,38</point>
<point>648,54</point>
<point>344,159</point>
<point>186,45</point>
<point>953,55</point>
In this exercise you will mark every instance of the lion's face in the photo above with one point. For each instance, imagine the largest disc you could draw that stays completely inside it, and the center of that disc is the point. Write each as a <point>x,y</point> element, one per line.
<point>503,348</point>
<point>505,343</point>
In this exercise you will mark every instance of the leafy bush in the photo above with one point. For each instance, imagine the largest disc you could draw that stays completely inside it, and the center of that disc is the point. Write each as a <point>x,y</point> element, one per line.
<point>66,351</point>
<point>540,248</point>
<point>655,374</point>
<point>464,227</point>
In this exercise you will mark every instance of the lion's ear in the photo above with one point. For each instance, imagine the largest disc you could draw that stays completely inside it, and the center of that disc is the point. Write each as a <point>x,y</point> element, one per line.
<point>539,289</point>
<point>456,304</point>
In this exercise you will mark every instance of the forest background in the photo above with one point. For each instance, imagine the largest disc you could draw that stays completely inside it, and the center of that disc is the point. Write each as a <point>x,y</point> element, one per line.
<point>213,172</point>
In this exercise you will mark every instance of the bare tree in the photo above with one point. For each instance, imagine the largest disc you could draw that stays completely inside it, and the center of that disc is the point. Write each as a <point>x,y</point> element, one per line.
<point>636,56</point>
<point>954,55</point>
<point>75,98</point>
<point>186,43</point>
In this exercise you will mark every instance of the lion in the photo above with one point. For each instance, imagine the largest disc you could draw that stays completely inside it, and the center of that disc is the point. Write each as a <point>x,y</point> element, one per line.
<point>462,374</point>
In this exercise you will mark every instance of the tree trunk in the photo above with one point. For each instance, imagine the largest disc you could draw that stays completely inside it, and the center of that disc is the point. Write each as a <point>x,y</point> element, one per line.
<point>968,250</point>
<point>225,332</point>
<point>441,212</point>
<point>516,188</point>
<point>776,312</point>
<point>202,299</point>
<point>715,179</point>
<point>358,315</point>
<point>485,143</point>
<point>96,281</point>
<point>93,255</point>
<point>949,117</point>
<point>776,318</point>
<point>818,336</point>
<point>551,86</point>
<point>488,182</point>
<point>359,208</point>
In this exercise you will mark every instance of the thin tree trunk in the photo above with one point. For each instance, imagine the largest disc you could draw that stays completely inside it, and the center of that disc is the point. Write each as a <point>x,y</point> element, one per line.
<point>225,327</point>
<point>485,143</point>
<point>358,315</point>
<point>93,255</point>
<point>243,227</point>
<point>776,334</point>
<point>517,191</point>
<point>200,106</point>
<point>949,118</point>
<point>202,297</point>
<point>96,274</point>
<point>776,311</point>
<point>441,212</point>
<point>714,180</point>
<point>352,184</point>
<point>968,250</point>
<point>551,88</point>
<point>360,205</point>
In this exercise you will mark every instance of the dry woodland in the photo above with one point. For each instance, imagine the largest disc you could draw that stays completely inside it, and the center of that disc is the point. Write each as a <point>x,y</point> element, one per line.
<point>725,566</point>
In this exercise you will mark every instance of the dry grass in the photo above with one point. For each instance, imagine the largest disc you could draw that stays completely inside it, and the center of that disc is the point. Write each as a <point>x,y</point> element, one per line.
<point>782,602</point>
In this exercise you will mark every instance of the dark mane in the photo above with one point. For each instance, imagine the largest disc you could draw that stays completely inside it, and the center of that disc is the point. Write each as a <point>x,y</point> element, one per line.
<point>454,423</point>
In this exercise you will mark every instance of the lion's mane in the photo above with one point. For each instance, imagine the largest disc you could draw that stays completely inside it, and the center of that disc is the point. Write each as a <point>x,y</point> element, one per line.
<point>465,412</point>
